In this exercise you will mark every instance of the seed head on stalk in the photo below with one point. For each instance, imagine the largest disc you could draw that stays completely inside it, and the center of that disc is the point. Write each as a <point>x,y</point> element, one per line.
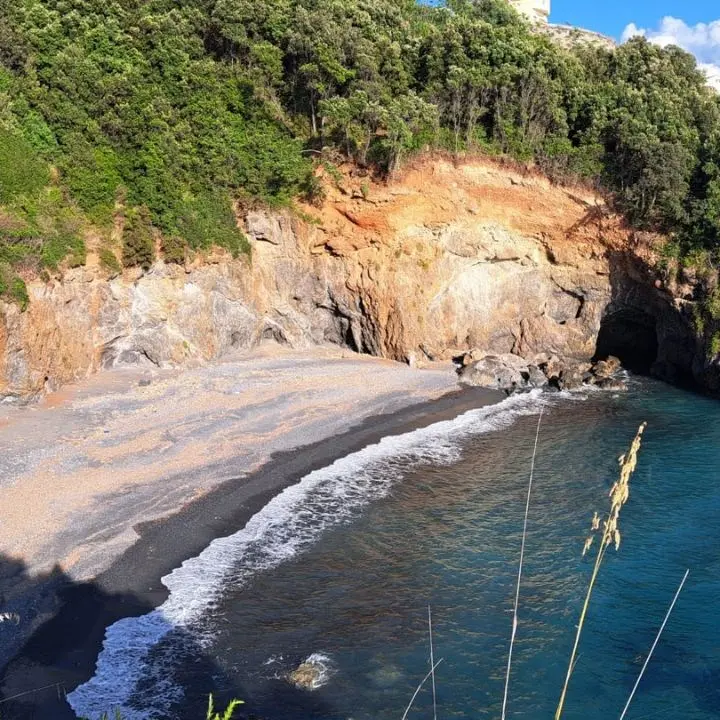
<point>609,531</point>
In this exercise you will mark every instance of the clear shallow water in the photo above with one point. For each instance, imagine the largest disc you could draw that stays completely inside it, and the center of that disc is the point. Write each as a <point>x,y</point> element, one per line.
<point>346,563</point>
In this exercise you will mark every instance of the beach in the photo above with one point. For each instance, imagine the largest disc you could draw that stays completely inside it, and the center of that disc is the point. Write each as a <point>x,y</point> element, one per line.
<point>114,482</point>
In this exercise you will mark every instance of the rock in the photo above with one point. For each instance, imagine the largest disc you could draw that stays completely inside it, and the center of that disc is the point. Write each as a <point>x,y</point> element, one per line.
<point>497,372</point>
<point>536,377</point>
<point>605,368</point>
<point>305,677</point>
<point>262,226</point>
<point>571,378</point>
<point>311,673</point>
<point>553,367</point>
<point>471,357</point>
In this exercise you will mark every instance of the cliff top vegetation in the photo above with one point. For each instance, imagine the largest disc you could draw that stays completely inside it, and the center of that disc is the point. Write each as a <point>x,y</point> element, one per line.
<point>152,119</point>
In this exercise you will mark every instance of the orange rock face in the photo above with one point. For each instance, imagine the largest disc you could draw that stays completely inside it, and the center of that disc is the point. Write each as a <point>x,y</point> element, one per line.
<point>442,259</point>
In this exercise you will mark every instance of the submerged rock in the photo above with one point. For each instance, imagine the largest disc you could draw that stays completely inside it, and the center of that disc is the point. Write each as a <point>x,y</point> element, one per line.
<point>305,676</point>
<point>312,673</point>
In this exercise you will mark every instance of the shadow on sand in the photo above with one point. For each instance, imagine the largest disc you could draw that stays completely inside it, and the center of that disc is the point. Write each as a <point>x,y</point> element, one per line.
<point>55,630</point>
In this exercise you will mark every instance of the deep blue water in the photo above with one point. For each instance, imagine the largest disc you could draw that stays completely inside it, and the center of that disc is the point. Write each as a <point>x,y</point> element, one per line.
<point>441,524</point>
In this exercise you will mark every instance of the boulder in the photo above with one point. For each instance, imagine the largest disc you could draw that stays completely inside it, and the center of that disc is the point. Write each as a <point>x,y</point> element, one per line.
<point>605,368</point>
<point>571,377</point>
<point>536,377</point>
<point>497,372</point>
<point>552,367</point>
<point>306,676</point>
<point>311,674</point>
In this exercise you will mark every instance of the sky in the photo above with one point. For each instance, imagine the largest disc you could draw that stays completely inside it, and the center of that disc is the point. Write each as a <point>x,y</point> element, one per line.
<point>692,24</point>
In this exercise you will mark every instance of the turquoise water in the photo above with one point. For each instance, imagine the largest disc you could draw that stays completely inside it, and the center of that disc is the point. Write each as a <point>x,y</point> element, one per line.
<point>442,526</point>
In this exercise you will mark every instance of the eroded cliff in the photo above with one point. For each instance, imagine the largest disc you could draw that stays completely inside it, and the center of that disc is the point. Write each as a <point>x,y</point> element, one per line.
<point>443,259</point>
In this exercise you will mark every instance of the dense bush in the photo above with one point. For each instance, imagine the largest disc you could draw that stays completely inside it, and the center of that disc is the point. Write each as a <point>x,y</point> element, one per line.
<point>183,108</point>
<point>109,261</point>
<point>174,249</point>
<point>22,172</point>
<point>138,243</point>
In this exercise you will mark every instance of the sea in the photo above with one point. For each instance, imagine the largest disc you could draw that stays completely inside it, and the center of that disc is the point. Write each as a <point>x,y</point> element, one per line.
<point>344,567</point>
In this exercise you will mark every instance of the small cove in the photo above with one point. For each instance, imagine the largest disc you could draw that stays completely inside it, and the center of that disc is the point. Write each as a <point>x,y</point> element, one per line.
<point>445,529</point>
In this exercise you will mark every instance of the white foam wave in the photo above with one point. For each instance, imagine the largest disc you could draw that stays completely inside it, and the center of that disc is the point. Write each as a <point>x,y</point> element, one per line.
<point>289,523</point>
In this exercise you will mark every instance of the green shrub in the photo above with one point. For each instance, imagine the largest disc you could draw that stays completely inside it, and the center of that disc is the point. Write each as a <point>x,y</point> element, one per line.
<point>109,262</point>
<point>13,288</point>
<point>93,178</point>
<point>174,249</point>
<point>22,172</point>
<point>712,304</point>
<point>42,231</point>
<point>715,345</point>
<point>209,219</point>
<point>138,244</point>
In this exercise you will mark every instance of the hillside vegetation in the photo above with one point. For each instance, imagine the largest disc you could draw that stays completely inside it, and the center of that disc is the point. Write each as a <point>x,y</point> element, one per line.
<point>151,119</point>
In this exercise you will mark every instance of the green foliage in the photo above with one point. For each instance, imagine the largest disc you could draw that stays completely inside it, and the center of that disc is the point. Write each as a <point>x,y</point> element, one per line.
<point>22,172</point>
<point>208,219</point>
<point>699,320</point>
<point>109,261</point>
<point>93,178</point>
<point>44,230</point>
<point>174,249</point>
<point>12,287</point>
<point>212,714</point>
<point>715,345</point>
<point>138,248</point>
<point>712,304</point>
<point>180,107</point>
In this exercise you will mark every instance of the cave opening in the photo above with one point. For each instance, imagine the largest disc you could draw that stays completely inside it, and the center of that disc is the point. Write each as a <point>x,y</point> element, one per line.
<point>631,336</point>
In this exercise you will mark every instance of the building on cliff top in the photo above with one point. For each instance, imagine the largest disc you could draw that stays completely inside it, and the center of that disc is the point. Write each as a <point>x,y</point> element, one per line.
<point>535,10</point>
<point>538,13</point>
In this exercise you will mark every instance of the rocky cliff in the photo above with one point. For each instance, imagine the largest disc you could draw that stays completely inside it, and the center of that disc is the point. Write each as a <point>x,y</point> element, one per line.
<point>443,259</point>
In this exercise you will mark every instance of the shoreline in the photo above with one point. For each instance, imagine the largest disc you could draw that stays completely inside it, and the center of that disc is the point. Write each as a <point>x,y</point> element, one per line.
<point>61,653</point>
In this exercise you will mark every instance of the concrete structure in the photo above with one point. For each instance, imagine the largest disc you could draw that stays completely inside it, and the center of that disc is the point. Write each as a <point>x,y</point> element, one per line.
<point>535,10</point>
<point>569,37</point>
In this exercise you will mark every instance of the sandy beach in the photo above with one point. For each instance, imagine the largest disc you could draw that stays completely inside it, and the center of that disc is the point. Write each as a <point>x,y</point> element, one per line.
<point>81,469</point>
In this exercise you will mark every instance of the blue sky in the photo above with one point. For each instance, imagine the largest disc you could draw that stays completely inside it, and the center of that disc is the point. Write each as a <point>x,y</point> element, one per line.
<point>611,17</point>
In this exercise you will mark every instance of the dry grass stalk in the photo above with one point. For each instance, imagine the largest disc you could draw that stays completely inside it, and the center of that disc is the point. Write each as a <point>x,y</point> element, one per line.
<point>520,568</point>
<point>610,535</point>
<point>432,663</point>
<point>654,645</point>
<point>419,688</point>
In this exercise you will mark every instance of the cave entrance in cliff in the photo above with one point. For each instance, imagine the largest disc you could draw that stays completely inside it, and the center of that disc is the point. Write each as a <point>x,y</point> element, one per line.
<point>631,336</point>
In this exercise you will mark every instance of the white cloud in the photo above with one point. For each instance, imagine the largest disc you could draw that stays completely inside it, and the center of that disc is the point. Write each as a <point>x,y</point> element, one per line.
<point>702,40</point>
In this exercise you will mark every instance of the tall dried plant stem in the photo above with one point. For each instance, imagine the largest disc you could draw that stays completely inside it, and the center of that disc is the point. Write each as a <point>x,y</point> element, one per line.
<point>432,663</point>
<point>654,645</point>
<point>520,568</point>
<point>419,688</point>
<point>610,534</point>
